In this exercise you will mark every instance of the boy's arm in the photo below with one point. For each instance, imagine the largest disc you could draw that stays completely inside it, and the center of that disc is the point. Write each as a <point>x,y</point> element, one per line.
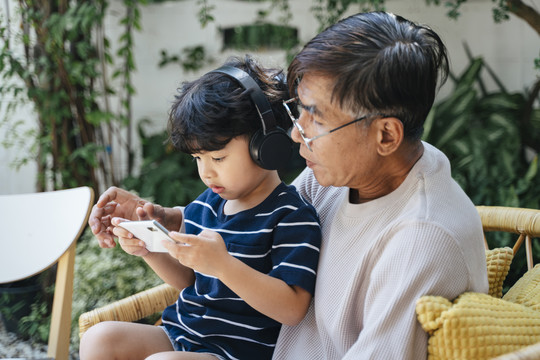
<point>269,295</point>
<point>170,270</point>
<point>207,253</point>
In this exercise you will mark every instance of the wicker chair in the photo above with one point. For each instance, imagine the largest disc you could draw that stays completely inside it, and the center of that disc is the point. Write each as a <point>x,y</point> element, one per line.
<point>523,222</point>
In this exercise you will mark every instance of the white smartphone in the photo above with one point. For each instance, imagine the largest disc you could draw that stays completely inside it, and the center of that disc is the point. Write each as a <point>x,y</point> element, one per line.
<point>149,231</point>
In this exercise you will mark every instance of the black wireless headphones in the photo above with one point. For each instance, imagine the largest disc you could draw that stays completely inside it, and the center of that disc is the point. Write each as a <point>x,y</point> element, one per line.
<point>270,147</point>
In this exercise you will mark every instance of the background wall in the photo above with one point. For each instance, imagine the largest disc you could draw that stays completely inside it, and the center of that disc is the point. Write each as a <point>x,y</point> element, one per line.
<point>509,48</point>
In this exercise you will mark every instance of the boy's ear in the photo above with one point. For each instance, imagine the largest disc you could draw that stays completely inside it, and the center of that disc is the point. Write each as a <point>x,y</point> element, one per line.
<point>390,135</point>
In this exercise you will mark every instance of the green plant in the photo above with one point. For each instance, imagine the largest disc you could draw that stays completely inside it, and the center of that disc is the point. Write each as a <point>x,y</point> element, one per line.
<point>488,141</point>
<point>36,324</point>
<point>58,61</point>
<point>261,35</point>
<point>500,11</point>
<point>191,58</point>
<point>25,308</point>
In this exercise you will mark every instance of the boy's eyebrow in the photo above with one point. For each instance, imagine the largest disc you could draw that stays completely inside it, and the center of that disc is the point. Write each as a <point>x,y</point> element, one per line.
<point>312,109</point>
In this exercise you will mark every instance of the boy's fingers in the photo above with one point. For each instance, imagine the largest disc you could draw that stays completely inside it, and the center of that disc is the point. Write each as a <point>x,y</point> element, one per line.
<point>120,231</point>
<point>181,238</point>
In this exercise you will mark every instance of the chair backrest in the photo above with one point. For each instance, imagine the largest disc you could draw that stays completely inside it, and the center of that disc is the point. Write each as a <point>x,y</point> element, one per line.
<point>37,231</point>
<point>524,222</point>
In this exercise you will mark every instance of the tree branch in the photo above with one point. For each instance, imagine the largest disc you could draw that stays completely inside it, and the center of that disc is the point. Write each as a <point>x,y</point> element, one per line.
<point>525,12</point>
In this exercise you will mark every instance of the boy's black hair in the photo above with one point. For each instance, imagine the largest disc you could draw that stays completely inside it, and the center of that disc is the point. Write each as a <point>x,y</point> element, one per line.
<point>215,108</point>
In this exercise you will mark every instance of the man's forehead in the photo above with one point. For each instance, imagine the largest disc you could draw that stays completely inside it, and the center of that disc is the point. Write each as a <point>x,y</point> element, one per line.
<point>316,91</point>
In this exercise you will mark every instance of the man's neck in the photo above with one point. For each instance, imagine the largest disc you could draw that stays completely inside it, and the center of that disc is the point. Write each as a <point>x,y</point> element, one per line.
<point>398,168</point>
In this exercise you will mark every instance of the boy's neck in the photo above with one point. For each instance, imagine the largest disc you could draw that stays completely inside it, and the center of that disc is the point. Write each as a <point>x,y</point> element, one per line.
<point>260,194</point>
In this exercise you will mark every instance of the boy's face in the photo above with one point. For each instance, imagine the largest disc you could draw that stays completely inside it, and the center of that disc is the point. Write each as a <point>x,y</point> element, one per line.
<point>231,173</point>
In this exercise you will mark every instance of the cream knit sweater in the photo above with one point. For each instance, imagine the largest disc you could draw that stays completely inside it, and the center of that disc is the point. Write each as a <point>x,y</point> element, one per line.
<point>378,258</point>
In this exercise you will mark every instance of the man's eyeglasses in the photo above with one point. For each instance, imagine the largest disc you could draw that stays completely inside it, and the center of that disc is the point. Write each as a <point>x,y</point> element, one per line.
<point>307,140</point>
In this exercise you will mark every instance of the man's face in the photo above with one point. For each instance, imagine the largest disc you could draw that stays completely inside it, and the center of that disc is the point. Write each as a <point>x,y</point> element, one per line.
<point>343,157</point>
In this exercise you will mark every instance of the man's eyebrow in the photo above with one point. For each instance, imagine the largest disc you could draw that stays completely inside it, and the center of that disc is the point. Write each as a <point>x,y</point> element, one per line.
<point>312,109</point>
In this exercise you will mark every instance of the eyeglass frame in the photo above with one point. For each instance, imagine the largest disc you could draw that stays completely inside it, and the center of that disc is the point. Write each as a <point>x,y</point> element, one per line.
<point>300,129</point>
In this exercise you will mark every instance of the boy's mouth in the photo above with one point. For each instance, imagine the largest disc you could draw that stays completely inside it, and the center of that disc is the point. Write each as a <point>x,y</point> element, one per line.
<point>217,189</point>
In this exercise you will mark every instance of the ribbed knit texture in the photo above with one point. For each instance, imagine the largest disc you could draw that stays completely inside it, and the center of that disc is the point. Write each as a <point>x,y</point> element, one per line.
<point>378,258</point>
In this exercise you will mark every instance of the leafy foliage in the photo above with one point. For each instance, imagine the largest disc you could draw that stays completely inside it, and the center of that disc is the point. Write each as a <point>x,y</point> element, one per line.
<point>24,308</point>
<point>327,12</point>
<point>261,35</point>
<point>483,136</point>
<point>191,58</point>
<point>57,64</point>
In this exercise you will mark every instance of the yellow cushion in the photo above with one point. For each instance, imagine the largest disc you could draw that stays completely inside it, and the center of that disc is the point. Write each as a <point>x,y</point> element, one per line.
<point>498,262</point>
<point>526,290</point>
<point>476,326</point>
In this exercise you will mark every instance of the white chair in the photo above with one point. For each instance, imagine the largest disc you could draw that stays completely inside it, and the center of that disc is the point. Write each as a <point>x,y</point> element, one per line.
<point>37,231</point>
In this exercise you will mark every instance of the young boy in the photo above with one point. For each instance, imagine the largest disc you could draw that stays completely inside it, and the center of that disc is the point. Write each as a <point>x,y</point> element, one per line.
<point>247,261</point>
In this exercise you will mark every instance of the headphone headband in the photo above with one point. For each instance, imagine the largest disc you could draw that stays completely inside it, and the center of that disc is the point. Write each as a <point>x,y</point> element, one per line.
<point>257,96</point>
<point>271,146</point>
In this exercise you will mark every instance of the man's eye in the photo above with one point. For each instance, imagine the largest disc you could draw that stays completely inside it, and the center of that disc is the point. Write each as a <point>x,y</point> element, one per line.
<point>218,159</point>
<point>308,109</point>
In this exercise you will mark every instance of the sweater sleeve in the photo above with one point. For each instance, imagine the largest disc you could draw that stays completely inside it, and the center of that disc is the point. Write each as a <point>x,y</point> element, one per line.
<point>418,259</point>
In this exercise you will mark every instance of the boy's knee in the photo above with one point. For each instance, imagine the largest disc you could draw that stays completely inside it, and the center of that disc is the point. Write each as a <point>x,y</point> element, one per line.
<point>96,340</point>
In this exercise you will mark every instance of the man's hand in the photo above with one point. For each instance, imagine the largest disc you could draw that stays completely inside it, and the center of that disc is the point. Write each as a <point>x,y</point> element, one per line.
<point>114,202</point>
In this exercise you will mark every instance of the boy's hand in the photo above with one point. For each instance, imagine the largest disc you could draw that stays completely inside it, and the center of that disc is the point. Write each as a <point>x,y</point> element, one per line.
<point>127,241</point>
<point>205,253</point>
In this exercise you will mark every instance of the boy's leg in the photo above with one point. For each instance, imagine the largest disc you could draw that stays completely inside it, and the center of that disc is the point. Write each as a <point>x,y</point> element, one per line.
<point>123,340</point>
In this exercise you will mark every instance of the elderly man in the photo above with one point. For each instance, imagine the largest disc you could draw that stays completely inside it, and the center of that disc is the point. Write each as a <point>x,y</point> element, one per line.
<point>395,225</point>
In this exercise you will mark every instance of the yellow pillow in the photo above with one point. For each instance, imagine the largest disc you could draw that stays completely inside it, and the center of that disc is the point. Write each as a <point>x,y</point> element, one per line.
<point>476,326</point>
<point>498,262</point>
<point>526,291</point>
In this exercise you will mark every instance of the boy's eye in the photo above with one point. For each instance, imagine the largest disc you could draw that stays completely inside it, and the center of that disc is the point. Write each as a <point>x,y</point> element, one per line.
<point>218,159</point>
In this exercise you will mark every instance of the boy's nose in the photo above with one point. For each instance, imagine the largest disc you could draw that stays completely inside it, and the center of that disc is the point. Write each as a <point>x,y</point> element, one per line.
<point>205,171</point>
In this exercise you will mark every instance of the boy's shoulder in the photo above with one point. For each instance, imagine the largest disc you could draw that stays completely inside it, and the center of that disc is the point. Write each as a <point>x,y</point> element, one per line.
<point>288,195</point>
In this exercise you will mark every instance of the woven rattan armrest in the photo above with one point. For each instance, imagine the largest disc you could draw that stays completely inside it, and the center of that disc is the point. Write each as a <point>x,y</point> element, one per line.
<point>132,308</point>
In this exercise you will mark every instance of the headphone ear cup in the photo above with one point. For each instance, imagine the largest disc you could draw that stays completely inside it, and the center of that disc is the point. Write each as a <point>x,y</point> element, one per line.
<point>271,151</point>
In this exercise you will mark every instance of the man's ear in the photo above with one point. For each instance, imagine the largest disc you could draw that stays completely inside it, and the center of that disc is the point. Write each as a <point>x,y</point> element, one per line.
<point>389,135</point>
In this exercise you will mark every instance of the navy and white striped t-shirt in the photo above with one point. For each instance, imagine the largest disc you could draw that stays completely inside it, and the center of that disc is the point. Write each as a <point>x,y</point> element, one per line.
<point>280,237</point>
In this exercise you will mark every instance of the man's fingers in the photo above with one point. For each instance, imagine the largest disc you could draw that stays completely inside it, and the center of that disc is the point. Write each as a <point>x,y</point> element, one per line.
<point>153,211</point>
<point>108,196</point>
<point>142,214</point>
